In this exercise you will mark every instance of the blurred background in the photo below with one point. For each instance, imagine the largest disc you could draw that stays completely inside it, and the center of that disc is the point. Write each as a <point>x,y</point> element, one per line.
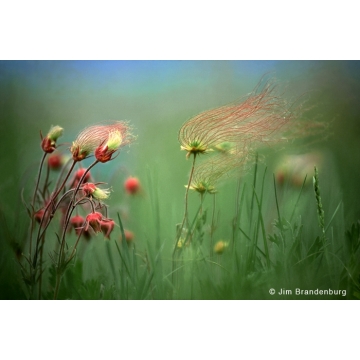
<point>157,97</point>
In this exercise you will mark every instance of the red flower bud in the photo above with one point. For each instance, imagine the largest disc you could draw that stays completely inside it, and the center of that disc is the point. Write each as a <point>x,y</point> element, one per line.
<point>48,145</point>
<point>78,175</point>
<point>77,222</point>
<point>39,215</point>
<point>103,154</point>
<point>49,141</point>
<point>94,220</point>
<point>129,236</point>
<point>132,185</point>
<point>55,161</point>
<point>107,227</point>
<point>88,189</point>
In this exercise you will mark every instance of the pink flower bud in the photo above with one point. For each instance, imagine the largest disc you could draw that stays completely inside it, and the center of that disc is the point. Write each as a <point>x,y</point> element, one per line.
<point>77,222</point>
<point>94,221</point>
<point>49,141</point>
<point>132,185</point>
<point>107,227</point>
<point>55,161</point>
<point>78,175</point>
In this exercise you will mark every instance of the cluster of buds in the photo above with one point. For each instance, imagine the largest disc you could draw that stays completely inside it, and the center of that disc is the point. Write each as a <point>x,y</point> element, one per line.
<point>98,223</point>
<point>102,141</point>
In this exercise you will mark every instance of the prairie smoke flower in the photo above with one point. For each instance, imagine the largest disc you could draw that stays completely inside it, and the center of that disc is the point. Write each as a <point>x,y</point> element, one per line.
<point>78,175</point>
<point>111,136</point>
<point>90,189</point>
<point>132,185</point>
<point>77,223</point>
<point>103,153</point>
<point>107,227</point>
<point>49,141</point>
<point>55,161</point>
<point>94,221</point>
<point>255,119</point>
<point>208,173</point>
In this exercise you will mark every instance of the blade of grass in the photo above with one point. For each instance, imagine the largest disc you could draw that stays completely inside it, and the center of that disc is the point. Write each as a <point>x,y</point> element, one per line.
<point>302,187</point>
<point>332,218</point>
<point>263,231</point>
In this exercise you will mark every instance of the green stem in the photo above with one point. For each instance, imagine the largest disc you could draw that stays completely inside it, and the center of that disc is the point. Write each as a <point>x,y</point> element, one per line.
<point>185,219</point>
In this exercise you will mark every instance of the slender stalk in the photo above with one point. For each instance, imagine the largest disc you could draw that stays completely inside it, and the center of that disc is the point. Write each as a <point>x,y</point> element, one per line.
<point>57,286</point>
<point>77,242</point>
<point>185,219</point>
<point>45,188</point>
<point>60,267</point>
<point>213,225</point>
<point>254,187</point>
<point>51,202</point>
<point>33,201</point>
<point>41,263</point>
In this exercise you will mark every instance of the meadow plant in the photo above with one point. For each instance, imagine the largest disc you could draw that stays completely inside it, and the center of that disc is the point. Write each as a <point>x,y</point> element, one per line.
<point>69,195</point>
<point>237,130</point>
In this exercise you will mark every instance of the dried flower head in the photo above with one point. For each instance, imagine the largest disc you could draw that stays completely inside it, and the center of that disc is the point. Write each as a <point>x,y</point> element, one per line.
<point>107,138</point>
<point>255,119</point>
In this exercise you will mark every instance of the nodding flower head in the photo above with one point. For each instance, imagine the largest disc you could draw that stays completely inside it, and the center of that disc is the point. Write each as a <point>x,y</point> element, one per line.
<point>104,152</point>
<point>48,143</point>
<point>107,226</point>
<point>255,120</point>
<point>109,136</point>
<point>77,223</point>
<point>91,190</point>
<point>94,221</point>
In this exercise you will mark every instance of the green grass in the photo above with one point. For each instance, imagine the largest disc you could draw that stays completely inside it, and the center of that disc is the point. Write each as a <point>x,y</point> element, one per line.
<point>274,240</point>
